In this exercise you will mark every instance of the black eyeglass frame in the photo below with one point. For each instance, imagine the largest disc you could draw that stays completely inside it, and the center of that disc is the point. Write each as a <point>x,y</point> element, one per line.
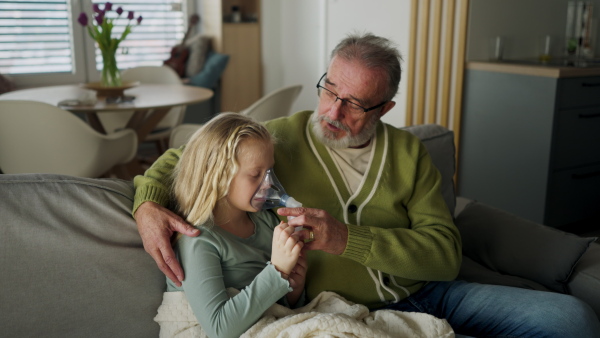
<point>346,100</point>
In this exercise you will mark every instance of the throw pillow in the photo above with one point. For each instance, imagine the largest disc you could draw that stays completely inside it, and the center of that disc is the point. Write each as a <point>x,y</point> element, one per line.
<point>211,72</point>
<point>198,47</point>
<point>510,245</point>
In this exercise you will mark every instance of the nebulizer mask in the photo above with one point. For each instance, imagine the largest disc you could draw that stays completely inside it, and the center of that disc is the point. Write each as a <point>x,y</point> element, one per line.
<point>270,194</point>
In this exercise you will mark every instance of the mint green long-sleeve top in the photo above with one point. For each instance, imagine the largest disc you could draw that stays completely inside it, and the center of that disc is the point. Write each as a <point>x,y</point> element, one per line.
<point>400,232</point>
<point>217,260</point>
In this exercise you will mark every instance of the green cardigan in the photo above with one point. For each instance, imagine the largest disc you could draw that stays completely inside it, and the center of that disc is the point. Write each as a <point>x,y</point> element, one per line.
<point>400,232</point>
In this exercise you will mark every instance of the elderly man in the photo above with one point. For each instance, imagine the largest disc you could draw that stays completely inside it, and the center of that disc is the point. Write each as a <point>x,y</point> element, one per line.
<point>383,235</point>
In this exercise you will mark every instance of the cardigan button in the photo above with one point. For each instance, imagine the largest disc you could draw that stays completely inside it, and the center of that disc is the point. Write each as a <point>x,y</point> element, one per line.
<point>352,208</point>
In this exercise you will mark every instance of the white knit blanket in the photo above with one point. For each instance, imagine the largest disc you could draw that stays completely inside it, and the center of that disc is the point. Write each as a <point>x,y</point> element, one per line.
<point>328,315</point>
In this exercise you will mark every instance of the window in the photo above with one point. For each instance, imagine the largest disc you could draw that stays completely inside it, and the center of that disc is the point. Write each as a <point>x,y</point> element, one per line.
<point>42,43</point>
<point>35,37</point>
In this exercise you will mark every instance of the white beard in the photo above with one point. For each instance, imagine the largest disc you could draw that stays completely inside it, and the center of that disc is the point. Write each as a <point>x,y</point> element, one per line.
<point>328,138</point>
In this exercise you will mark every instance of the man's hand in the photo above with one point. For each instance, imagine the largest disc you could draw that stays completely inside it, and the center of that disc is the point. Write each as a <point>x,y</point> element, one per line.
<point>330,235</point>
<point>156,224</point>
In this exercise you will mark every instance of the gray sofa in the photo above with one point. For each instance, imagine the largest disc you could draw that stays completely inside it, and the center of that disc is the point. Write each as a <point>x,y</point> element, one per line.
<point>73,264</point>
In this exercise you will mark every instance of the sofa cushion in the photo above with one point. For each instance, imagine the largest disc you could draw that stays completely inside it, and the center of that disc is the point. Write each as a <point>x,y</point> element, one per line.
<point>510,245</point>
<point>198,47</point>
<point>439,142</point>
<point>474,272</point>
<point>72,261</point>
<point>214,66</point>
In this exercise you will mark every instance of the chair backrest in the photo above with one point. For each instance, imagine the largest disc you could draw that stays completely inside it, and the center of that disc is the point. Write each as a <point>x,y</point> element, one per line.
<point>275,104</point>
<point>151,75</point>
<point>158,75</point>
<point>37,137</point>
<point>182,134</point>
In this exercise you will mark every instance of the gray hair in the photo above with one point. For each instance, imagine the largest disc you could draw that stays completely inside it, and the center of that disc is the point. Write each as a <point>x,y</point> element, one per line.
<point>374,52</point>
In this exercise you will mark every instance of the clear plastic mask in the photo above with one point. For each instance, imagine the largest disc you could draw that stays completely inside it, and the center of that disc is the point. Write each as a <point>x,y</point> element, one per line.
<point>270,194</point>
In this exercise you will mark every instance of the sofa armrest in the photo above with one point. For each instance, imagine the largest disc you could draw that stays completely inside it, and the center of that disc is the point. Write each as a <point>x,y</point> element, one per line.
<point>72,260</point>
<point>514,246</point>
<point>461,204</point>
<point>585,280</point>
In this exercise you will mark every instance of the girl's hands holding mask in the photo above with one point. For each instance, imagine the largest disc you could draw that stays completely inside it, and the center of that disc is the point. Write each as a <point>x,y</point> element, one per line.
<point>286,249</point>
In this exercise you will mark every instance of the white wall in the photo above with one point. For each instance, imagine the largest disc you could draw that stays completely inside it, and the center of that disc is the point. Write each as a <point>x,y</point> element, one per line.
<point>291,47</point>
<point>298,35</point>
<point>390,19</point>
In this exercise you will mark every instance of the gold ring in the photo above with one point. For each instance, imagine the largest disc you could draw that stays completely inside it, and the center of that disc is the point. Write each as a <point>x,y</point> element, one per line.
<point>311,237</point>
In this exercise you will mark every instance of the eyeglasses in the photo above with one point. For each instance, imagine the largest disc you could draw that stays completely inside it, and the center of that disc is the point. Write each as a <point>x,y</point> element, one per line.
<point>331,98</point>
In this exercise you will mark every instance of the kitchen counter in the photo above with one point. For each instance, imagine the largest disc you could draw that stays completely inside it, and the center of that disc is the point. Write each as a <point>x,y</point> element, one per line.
<point>525,67</point>
<point>529,140</point>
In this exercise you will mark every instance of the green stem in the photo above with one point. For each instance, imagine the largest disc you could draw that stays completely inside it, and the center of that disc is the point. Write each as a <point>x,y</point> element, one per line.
<point>111,77</point>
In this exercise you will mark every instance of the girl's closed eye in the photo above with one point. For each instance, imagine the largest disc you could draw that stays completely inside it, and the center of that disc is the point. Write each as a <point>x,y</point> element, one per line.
<point>256,175</point>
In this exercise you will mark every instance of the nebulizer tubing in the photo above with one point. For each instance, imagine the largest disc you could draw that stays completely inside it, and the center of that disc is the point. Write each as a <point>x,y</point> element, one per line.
<point>271,194</point>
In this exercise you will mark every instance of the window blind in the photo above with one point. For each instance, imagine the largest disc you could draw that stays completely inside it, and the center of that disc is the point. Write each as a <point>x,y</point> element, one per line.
<point>35,37</point>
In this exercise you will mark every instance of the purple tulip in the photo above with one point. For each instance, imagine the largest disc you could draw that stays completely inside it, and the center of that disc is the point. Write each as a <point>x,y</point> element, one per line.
<point>96,8</point>
<point>130,15</point>
<point>119,11</point>
<point>99,18</point>
<point>83,19</point>
<point>139,19</point>
<point>107,6</point>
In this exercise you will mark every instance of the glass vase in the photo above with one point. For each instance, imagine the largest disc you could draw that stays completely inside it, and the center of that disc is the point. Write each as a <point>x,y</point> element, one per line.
<point>111,77</point>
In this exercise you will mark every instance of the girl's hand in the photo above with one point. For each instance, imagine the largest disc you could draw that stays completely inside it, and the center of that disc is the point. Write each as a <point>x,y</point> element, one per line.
<point>296,279</point>
<point>286,248</point>
<point>298,275</point>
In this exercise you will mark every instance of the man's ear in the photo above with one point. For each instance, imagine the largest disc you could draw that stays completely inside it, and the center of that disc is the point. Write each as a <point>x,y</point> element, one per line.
<point>386,108</point>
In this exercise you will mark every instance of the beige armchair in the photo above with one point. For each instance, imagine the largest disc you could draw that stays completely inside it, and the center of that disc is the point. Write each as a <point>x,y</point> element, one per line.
<point>275,104</point>
<point>36,137</point>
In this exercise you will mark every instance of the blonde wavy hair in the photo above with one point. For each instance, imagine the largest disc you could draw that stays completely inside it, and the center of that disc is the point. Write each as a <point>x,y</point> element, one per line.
<point>209,162</point>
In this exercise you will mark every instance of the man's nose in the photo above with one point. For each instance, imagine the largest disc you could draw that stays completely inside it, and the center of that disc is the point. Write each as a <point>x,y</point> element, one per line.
<point>335,111</point>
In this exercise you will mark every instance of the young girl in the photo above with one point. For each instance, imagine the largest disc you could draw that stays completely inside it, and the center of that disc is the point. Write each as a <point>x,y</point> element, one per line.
<point>221,169</point>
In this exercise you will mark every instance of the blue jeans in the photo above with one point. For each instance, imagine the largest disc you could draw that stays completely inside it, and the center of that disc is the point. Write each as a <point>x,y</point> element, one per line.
<point>500,311</point>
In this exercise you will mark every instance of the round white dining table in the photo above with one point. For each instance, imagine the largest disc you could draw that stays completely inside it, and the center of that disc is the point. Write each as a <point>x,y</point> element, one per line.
<point>149,102</point>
